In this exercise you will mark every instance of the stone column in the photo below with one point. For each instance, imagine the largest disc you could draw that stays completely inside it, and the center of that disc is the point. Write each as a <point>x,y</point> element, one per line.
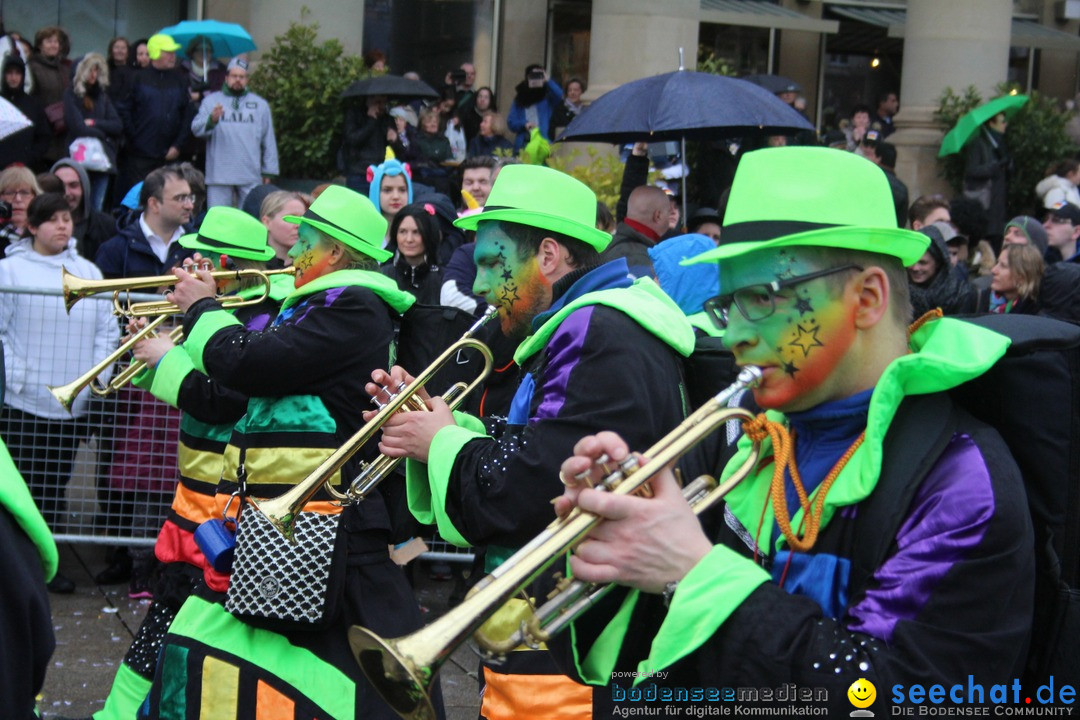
<point>946,44</point>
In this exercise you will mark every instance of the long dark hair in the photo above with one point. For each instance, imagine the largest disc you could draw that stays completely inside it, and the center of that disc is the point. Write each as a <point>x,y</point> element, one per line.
<point>423,214</point>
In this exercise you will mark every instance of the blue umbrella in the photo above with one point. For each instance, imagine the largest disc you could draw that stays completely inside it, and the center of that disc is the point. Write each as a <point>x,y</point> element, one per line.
<point>222,39</point>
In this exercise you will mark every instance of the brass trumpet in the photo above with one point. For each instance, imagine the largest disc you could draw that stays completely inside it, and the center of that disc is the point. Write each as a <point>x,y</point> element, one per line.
<point>282,510</point>
<point>402,669</point>
<point>66,394</point>
<point>77,288</point>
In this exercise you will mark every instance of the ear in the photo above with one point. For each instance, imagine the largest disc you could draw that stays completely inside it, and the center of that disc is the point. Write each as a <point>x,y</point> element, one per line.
<point>872,294</point>
<point>550,257</point>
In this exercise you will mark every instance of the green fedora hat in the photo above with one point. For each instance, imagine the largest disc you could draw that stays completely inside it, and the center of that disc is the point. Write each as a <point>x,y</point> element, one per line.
<point>812,196</point>
<point>544,198</point>
<point>232,232</point>
<point>350,217</point>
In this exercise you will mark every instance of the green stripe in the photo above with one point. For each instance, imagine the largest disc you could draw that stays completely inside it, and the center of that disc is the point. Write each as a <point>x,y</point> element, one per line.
<point>129,690</point>
<point>173,703</point>
<point>208,324</point>
<point>170,372</point>
<point>325,685</point>
<point>289,414</point>
<point>15,496</point>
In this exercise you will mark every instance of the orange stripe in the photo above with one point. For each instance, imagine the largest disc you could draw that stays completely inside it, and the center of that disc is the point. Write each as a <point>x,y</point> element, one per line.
<point>534,697</point>
<point>192,505</point>
<point>272,705</point>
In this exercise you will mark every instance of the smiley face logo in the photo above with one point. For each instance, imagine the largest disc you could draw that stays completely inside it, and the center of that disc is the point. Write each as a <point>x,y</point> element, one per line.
<point>862,693</point>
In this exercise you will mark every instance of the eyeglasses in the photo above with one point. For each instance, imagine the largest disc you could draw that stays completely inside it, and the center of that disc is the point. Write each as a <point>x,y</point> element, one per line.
<point>9,194</point>
<point>757,302</point>
<point>183,199</point>
<point>1054,220</point>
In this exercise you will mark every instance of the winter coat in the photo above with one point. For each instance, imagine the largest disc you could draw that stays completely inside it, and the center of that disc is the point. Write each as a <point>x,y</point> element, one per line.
<point>156,112</point>
<point>947,289</point>
<point>953,599</point>
<point>365,139</point>
<point>986,174</point>
<point>634,246</point>
<point>128,253</point>
<point>432,149</point>
<point>518,116</point>
<point>481,146</point>
<point>107,127</point>
<point>28,146</point>
<point>51,78</point>
<point>92,228</point>
<point>43,344</point>
<point>1054,190</point>
<point>424,282</point>
<point>241,147</point>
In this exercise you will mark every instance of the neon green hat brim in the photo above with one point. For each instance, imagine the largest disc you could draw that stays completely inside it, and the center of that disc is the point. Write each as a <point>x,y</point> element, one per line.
<point>587,234</point>
<point>192,241</point>
<point>907,245</point>
<point>352,241</point>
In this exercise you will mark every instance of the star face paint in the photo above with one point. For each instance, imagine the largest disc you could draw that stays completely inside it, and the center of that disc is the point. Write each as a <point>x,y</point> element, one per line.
<point>515,286</point>
<point>801,345</point>
<point>311,257</point>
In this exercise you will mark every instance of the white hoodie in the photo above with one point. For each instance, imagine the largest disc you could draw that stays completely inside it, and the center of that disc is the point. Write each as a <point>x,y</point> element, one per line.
<point>43,345</point>
<point>1054,190</point>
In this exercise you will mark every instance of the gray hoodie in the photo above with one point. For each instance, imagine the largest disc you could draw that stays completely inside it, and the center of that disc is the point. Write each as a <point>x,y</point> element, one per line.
<point>91,227</point>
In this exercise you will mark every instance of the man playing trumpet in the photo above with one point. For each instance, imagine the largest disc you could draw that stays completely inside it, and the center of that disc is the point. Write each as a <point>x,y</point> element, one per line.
<point>812,268</point>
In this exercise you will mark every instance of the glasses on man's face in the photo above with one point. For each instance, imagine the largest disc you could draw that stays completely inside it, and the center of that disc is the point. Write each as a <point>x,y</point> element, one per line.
<point>1054,220</point>
<point>757,302</point>
<point>184,199</point>
<point>21,194</point>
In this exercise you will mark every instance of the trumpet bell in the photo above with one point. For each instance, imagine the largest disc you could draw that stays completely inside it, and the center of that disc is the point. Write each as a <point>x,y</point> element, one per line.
<point>400,682</point>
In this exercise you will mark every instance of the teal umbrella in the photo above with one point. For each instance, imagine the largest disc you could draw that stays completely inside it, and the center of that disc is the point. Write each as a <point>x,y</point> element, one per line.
<point>969,124</point>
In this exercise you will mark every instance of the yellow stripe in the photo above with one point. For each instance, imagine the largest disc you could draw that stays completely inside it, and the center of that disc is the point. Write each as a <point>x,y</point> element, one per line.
<point>276,466</point>
<point>201,465</point>
<point>220,690</point>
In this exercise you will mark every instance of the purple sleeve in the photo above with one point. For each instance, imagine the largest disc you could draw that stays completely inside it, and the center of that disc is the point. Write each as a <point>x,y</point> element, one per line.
<point>948,517</point>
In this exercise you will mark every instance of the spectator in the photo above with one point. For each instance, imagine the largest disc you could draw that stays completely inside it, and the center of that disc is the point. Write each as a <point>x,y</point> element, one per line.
<point>367,131</point>
<point>604,219</point>
<point>403,136</point>
<point>205,74</point>
<point>45,345</point>
<point>197,180</point>
<point>928,209</point>
<point>88,112</point>
<point>91,227</point>
<point>491,138</point>
<point>140,57</point>
<point>483,102</point>
<point>390,187</point>
<point>149,245</point>
<point>282,235</point>
<point>458,280</point>
<point>987,168</point>
<point>51,71</point>
<point>18,187</point>
<point>477,175</point>
<point>10,46</point>
<point>252,204</point>
<point>888,105</point>
<point>242,151</point>
<point>446,214</point>
<point>855,131</point>
<point>706,221</point>
<point>156,114</point>
<point>118,58</point>
<point>883,154</point>
<point>432,151</point>
<point>1017,276</point>
<point>1059,185</point>
<point>933,281</point>
<point>414,240</point>
<point>647,220</point>
<point>1062,227</point>
<point>570,108</point>
<point>27,146</point>
<point>534,103</point>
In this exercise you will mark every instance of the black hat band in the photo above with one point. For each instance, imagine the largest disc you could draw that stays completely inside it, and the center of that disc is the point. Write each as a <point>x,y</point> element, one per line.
<point>319,218</point>
<point>763,230</point>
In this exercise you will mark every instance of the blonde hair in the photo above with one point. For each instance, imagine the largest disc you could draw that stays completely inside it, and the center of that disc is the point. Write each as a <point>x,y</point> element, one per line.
<point>18,176</point>
<point>428,112</point>
<point>498,124</point>
<point>273,203</point>
<point>1026,266</point>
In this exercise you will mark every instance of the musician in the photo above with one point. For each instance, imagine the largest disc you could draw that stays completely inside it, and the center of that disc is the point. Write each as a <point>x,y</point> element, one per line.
<point>817,298</point>
<point>598,350</point>
<point>303,377</point>
<point>234,239</point>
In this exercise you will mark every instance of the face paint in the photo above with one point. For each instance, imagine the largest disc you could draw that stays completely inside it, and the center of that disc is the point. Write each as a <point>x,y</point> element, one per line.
<point>515,286</point>
<point>311,257</point>
<point>802,344</point>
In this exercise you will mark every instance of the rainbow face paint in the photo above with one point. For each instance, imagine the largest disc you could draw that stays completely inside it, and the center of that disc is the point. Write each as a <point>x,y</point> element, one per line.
<point>802,344</point>
<point>311,257</point>
<point>515,286</point>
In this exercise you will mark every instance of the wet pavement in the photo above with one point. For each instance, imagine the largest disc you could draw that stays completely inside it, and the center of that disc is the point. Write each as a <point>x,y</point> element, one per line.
<point>95,626</point>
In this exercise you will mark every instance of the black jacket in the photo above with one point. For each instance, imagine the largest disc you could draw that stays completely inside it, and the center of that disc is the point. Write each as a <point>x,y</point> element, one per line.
<point>27,146</point>
<point>630,244</point>
<point>156,112</point>
<point>128,254</point>
<point>365,139</point>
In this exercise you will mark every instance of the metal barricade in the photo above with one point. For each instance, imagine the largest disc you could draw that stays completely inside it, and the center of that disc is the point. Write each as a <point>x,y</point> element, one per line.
<point>108,474</point>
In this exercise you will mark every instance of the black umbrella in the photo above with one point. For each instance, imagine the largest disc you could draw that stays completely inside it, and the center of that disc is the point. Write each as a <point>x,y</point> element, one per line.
<point>392,86</point>
<point>684,105</point>
<point>775,84</point>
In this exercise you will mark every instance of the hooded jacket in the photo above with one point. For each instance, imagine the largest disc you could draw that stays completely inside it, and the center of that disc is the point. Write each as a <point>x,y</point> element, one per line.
<point>128,253</point>
<point>43,344</point>
<point>1054,190</point>
<point>92,228</point>
<point>27,146</point>
<point>947,289</point>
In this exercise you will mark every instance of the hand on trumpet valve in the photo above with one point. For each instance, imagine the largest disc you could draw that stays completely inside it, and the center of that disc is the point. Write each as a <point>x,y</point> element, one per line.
<point>406,434</point>
<point>643,542</point>
<point>191,286</point>
<point>151,350</point>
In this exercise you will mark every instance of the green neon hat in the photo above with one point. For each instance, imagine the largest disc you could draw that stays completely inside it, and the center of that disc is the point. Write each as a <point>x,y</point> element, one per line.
<point>812,196</point>
<point>230,231</point>
<point>545,198</point>
<point>350,217</point>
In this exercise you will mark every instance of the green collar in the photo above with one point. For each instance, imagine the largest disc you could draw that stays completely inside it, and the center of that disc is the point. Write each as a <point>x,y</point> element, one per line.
<point>385,287</point>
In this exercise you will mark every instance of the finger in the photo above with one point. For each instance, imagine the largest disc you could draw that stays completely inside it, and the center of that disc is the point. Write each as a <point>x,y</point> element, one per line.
<point>607,505</point>
<point>588,572</point>
<point>664,485</point>
<point>612,444</point>
<point>390,450</point>
<point>563,506</point>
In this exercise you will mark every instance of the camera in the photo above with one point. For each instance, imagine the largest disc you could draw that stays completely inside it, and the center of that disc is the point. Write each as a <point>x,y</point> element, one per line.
<point>457,76</point>
<point>536,75</point>
<point>5,210</point>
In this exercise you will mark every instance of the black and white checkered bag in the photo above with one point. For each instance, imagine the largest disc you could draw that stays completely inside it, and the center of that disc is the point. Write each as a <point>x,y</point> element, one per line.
<point>286,585</point>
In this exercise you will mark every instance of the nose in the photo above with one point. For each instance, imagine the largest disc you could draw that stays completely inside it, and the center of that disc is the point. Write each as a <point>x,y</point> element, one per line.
<point>741,333</point>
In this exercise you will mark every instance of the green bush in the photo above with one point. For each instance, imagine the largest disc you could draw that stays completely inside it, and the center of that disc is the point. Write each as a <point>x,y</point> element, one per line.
<point>302,80</point>
<point>602,172</point>
<point>1036,138</point>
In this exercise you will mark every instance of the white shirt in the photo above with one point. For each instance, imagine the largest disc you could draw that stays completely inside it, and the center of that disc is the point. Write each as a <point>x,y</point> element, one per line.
<point>157,244</point>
